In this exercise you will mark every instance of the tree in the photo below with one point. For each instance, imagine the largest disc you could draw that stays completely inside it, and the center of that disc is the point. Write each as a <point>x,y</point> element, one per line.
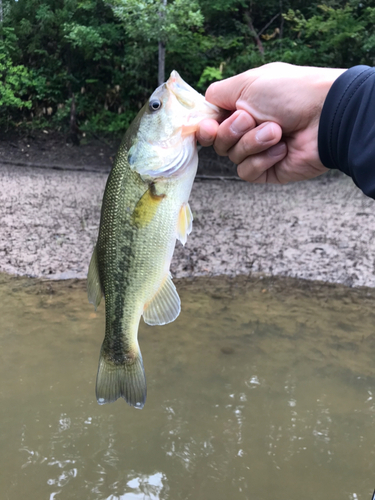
<point>75,47</point>
<point>155,24</point>
<point>105,57</point>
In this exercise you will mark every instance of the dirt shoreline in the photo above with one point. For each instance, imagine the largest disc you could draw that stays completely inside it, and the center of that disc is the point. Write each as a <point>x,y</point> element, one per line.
<point>317,230</point>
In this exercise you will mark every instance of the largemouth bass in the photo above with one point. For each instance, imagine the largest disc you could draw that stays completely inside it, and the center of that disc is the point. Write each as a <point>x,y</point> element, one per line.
<point>145,210</point>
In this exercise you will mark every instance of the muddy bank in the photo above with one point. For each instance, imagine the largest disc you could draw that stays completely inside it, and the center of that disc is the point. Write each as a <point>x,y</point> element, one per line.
<point>52,149</point>
<point>321,229</point>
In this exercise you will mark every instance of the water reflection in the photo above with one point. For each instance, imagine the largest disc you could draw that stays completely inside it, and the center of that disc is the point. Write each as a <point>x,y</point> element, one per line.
<point>255,392</point>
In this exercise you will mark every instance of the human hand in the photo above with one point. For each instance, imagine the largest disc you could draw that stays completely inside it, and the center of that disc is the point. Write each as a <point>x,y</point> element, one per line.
<point>272,134</point>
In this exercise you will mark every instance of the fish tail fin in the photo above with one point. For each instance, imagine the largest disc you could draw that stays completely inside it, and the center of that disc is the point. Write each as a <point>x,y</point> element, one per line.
<point>121,379</point>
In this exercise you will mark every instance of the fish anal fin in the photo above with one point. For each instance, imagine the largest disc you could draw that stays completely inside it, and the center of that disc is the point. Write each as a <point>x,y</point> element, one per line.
<point>165,306</point>
<point>146,207</point>
<point>121,379</point>
<point>94,288</point>
<point>185,223</point>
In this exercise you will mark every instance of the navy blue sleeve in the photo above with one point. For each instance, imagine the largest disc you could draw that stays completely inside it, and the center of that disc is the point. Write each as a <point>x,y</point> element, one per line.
<point>346,139</point>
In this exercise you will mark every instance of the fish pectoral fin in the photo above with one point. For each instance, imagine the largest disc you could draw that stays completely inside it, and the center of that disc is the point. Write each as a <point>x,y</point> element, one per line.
<point>185,223</point>
<point>165,306</point>
<point>94,287</point>
<point>146,207</point>
<point>124,379</point>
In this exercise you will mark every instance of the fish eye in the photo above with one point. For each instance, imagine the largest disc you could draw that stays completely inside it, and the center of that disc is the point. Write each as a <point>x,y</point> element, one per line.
<point>154,105</point>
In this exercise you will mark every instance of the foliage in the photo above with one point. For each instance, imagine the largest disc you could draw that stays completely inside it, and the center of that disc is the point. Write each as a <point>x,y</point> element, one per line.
<point>105,52</point>
<point>17,82</point>
<point>333,37</point>
<point>152,21</point>
<point>14,81</point>
<point>209,75</point>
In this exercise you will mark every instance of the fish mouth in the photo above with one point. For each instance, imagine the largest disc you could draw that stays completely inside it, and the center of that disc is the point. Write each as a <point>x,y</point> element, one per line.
<point>180,90</point>
<point>190,98</point>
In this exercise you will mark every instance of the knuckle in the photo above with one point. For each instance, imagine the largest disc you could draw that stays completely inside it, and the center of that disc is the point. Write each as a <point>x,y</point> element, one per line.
<point>258,163</point>
<point>235,156</point>
<point>242,172</point>
<point>239,152</point>
<point>210,92</point>
<point>220,150</point>
<point>255,165</point>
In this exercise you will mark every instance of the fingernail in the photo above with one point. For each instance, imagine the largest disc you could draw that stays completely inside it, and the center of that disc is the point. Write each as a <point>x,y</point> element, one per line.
<point>265,134</point>
<point>278,149</point>
<point>242,123</point>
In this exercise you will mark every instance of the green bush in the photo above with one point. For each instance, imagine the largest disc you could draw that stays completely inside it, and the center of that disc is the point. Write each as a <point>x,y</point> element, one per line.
<point>105,53</point>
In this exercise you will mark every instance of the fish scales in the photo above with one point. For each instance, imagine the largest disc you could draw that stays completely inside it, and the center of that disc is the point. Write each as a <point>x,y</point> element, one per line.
<point>144,211</point>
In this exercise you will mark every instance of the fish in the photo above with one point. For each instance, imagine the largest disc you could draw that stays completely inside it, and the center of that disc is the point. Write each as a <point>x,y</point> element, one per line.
<point>145,210</point>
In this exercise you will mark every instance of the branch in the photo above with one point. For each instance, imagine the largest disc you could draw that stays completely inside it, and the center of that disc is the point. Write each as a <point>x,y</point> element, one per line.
<point>282,20</point>
<point>254,33</point>
<point>270,22</point>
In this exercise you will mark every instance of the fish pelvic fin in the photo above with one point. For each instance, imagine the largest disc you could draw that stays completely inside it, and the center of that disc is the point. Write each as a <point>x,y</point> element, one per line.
<point>124,379</point>
<point>185,223</point>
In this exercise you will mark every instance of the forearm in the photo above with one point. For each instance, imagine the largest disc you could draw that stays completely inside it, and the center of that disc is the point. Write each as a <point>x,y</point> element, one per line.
<point>346,137</point>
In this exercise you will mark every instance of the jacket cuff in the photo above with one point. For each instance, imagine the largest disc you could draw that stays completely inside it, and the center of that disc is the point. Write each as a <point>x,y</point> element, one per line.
<point>346,138</point>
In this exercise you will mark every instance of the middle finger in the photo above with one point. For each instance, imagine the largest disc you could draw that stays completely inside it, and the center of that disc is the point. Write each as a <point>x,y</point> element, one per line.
<point>255,141</point>
<point>231,131</point>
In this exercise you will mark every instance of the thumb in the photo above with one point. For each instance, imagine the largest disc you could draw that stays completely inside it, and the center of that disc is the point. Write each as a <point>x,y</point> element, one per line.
<point>225,93</point>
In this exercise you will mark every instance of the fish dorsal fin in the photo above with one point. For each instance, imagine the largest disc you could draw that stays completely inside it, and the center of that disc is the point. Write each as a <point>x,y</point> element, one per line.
<point>165,306</point>
<point>94,288</point>
<point>185,223</point>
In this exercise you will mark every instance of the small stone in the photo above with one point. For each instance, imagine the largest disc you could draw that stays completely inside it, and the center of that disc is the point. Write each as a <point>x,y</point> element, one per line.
<point>227,350</point>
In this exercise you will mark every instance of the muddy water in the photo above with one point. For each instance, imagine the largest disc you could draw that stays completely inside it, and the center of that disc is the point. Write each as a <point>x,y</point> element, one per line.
<point>261,390</point>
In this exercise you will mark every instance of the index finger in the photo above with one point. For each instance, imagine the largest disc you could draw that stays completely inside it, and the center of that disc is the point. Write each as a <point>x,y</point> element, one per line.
<point>225,93</point>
